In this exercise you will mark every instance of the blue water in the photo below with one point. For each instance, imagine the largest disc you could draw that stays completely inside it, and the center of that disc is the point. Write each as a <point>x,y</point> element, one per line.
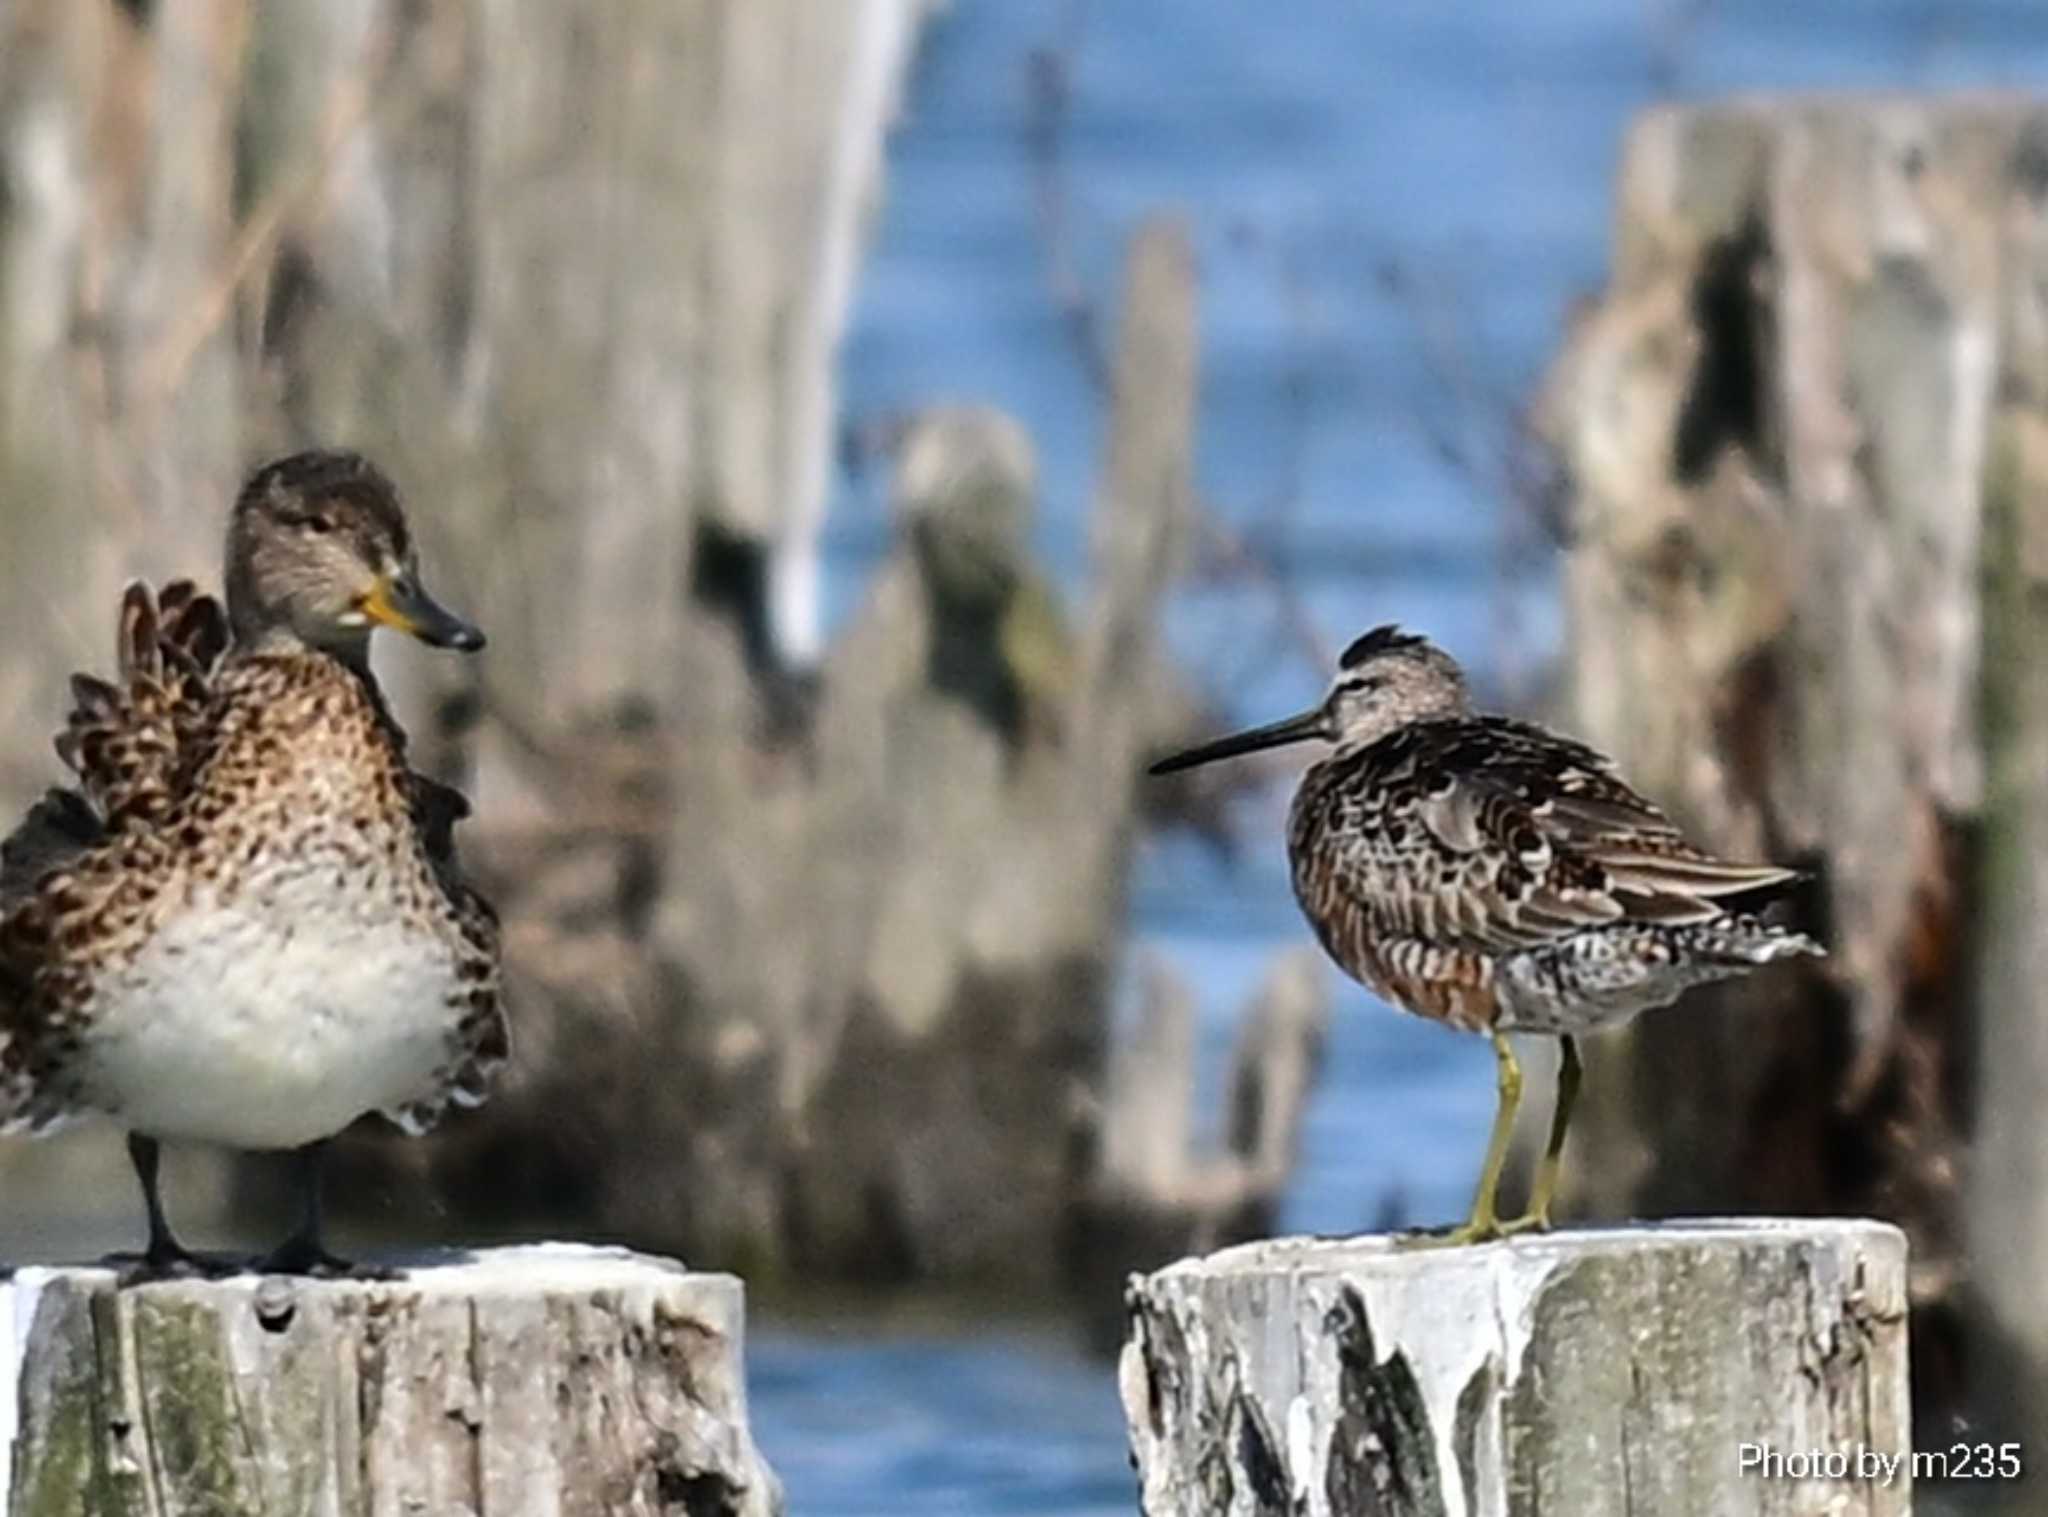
<point>912,1425</point>
<point>1394,202</point>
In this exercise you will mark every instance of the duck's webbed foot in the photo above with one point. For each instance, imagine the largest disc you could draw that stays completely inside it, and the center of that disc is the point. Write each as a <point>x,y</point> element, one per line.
<point>164,1257</point>
<point>303,1253</point>
<point>167,1259</point>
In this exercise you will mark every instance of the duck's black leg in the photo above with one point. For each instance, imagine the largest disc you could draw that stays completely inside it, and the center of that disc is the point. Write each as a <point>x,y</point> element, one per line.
<point>165,1258</point>
<point>303,1253</point>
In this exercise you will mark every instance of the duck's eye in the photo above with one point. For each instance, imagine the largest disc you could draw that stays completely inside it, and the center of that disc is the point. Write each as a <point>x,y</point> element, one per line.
<point>318,521</point>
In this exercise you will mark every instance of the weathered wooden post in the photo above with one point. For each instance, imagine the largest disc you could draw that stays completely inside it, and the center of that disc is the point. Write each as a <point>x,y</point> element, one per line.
<point>1688,1368</point>
<point>1804,439</point>
<point>556,1378</point>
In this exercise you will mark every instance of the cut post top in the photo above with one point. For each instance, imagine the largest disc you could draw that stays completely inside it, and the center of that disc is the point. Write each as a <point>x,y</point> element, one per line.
<point>519,1268</point>
<point>1605,1373</point>
<point>1389,1255</point>
<point>468,1383</point>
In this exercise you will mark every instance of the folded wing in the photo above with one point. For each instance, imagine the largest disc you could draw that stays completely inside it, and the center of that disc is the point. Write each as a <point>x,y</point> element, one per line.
<point>1495,835</point>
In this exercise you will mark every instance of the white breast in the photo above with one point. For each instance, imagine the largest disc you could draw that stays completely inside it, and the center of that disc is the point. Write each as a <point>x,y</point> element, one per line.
<point>273,1019</point>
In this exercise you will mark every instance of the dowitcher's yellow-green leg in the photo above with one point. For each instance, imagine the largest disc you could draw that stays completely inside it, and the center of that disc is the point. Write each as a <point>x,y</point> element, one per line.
<point>1569,1071</point>
<point>1484,1223</point>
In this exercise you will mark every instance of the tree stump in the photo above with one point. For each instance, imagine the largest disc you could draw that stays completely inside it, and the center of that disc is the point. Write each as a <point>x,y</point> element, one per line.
<point>1163,1185</point>
<point>1650,1372</point>
<point>555,1378</point>
<point>1803,434</point>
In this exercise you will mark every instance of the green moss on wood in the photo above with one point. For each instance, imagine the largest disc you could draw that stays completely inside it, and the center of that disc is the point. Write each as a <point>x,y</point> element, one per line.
<point>188,1391</point>
<point>56,1454</point>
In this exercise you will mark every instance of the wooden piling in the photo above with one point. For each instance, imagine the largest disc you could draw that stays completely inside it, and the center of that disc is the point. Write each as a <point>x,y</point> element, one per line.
<point>1644,1372</point>
<point>555,1378</point>
<point>1802,439</point>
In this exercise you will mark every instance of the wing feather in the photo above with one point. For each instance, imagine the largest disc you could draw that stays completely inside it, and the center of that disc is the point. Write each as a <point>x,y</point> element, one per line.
<point>1494,835</point>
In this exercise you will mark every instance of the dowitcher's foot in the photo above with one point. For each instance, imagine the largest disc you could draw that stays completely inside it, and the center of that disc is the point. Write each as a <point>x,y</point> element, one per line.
<point>1476,1230</point>
<point>1531,1222</point>
<point>1483,1225</point>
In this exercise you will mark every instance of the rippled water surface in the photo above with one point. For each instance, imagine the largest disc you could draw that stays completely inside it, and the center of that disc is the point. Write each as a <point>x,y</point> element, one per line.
<point>1394,201</point>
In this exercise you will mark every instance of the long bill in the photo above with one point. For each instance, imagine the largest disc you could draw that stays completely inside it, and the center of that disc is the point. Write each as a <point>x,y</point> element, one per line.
<point>1296,729</point>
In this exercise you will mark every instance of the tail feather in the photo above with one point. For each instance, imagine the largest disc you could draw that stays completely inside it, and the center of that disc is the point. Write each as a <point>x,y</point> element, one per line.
<point>94,698</point>
<point>195,626</point>
<point>132,743</point>
<point>1746,940</point>
<point>1609,973</point>
<point>1673,884</point>
<point>129,742</point>
<point>58,827</point>
<point>56,830</point>
<point>136,652</point>
<point>1690,874</point>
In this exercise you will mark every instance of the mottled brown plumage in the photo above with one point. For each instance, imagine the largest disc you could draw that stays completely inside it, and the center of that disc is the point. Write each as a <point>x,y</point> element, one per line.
<point>1437,858</point>
<point>246,924</point>
<point>1496,877</point>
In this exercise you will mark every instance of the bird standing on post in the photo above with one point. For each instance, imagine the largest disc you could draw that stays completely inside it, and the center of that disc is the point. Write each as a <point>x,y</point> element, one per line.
<point>245,924</point>
<point>1495,877</point>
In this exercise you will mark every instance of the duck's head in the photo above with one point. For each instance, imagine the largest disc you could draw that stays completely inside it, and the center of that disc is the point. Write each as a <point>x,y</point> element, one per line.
<point>319,555</point>
<point>1386,679</point>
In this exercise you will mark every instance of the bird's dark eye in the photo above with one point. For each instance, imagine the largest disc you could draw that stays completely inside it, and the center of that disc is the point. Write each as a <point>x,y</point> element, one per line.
<point>319,521</point>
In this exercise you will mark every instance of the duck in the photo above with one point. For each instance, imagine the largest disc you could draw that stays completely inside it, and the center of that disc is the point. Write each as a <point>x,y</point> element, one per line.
<point>242,922</point>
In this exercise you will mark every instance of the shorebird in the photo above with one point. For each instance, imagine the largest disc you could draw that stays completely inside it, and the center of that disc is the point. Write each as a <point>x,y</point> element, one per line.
<point>1496,877</point>
<point>243,924</point>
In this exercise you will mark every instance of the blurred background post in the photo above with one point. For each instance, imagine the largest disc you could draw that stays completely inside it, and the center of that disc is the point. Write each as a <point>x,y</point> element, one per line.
<point>869,431</point>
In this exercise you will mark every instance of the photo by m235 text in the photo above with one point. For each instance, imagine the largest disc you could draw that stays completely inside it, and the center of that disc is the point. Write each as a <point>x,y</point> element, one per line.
<point>1958,1461</point>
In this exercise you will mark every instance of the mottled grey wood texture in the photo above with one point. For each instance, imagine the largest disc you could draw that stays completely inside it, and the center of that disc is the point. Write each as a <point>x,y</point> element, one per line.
<point>831,925</point>
<point>554,1379</point>
<point>1595,1374</point>
<point>1164,1187</point>
<point>1804,433</point>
